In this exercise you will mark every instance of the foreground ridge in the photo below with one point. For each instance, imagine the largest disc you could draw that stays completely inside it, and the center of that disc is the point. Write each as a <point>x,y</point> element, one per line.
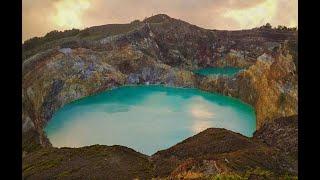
<point>213,152</point>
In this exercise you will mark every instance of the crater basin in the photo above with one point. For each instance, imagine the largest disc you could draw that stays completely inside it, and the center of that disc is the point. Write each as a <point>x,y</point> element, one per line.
<point>146,118</point>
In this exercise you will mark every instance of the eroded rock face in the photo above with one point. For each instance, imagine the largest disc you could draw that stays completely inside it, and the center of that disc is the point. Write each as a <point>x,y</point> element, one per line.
<point>270,86</point>
<point>63,78</point>
<point>281,133</point>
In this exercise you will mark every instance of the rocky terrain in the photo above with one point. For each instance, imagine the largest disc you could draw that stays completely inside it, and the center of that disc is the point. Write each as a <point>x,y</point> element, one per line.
<point>93,162</point>
<point>282,133</point>
<point>64,66</point>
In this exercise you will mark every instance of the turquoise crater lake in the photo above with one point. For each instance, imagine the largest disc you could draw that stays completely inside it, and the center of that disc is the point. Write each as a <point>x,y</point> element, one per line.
<point>146,118</point>
<point>215,71</point>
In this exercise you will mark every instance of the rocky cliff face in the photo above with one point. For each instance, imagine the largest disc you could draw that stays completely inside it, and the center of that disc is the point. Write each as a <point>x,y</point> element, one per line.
<point>269,85</point>
<point>281,133</point>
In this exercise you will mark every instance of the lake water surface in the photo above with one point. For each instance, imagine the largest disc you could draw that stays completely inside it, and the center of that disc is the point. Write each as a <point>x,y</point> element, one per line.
<point>214,71</point>
<point>146,118</point>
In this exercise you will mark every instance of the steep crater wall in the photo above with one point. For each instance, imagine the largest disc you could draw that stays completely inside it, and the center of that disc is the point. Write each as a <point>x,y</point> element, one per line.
<point>270,86</point>
<point>163,52</point>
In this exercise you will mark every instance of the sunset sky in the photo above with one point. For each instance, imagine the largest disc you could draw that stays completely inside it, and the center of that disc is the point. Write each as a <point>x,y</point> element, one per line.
<point>42,16</point>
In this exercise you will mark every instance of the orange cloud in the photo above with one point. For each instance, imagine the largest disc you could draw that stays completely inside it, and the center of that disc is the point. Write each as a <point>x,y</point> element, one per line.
<point>68,14</point>
<point>42,16</point>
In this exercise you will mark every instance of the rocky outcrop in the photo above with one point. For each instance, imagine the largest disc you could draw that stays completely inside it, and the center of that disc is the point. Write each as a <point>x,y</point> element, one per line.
<point>282,133</point>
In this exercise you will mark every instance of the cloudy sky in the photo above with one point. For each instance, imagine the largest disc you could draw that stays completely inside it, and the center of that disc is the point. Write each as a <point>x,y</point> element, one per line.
<point>42,16</point>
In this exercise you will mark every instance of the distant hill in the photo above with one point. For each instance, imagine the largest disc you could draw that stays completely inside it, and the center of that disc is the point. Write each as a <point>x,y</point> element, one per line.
<point>169,33</point>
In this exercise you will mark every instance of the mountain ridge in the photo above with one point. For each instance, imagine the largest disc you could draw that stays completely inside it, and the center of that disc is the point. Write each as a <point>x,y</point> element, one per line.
<point>116,29</point>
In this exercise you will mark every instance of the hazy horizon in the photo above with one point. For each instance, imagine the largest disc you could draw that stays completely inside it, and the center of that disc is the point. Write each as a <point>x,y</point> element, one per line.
<point>43,16</point>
